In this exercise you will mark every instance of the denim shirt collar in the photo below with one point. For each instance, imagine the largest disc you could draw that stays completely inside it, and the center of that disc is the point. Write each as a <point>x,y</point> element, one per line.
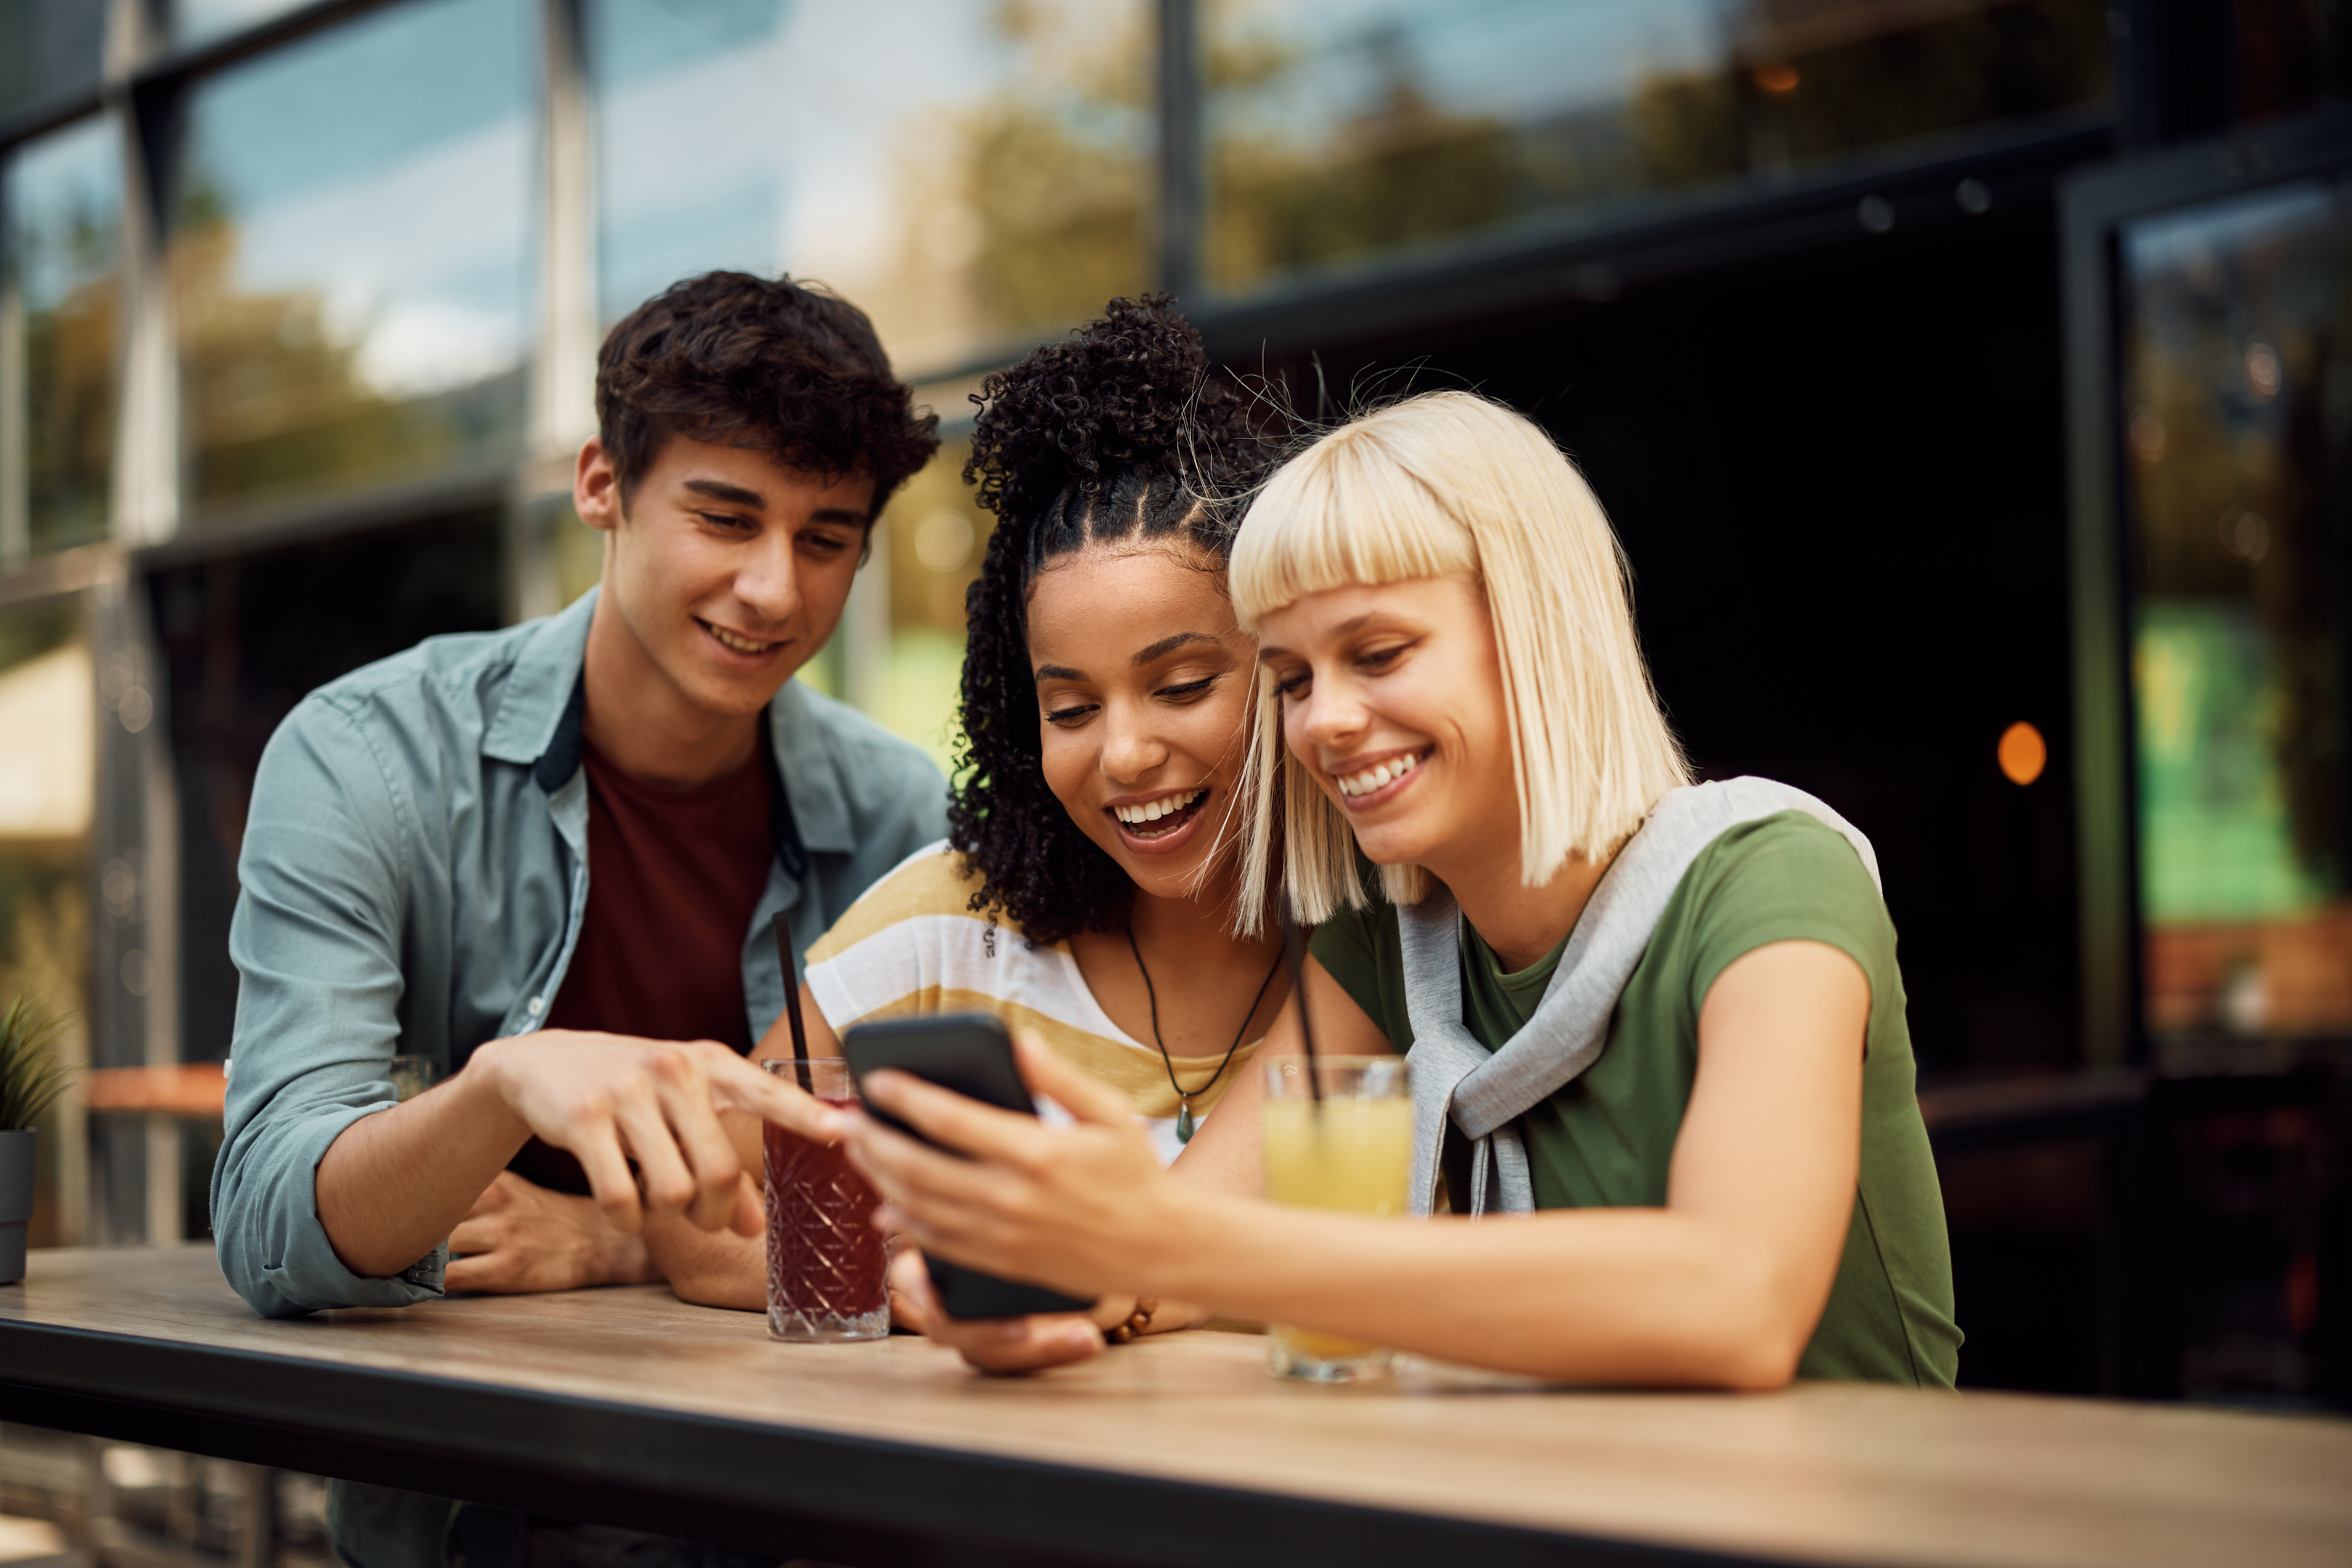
<point>541,712</point>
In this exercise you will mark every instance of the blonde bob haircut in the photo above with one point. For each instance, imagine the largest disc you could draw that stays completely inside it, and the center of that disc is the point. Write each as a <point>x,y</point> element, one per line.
<point>1443,485</point>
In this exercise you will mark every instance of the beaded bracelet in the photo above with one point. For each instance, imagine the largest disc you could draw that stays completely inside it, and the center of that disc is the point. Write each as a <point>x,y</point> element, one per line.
<point>1137,1323</point>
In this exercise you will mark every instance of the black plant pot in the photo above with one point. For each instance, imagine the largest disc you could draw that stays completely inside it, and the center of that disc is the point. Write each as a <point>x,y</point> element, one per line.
<point>15,1201</point>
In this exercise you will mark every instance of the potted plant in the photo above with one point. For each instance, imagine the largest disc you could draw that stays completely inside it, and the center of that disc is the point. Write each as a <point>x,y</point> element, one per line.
<point>31,1078</point>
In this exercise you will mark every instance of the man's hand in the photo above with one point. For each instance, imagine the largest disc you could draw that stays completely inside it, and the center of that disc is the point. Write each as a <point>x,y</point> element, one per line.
<point>630,1110</point>
<point>521,1238</point>
<point>614,1101</point>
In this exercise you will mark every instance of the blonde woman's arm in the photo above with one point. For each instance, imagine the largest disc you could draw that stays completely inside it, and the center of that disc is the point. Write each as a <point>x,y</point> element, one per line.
<point>1720,1288</point>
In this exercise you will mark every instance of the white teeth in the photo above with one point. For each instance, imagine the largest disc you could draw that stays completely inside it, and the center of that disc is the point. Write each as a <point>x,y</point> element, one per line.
<point>1153,810</point>
<point>1378,774</point>
<point>740,644</point>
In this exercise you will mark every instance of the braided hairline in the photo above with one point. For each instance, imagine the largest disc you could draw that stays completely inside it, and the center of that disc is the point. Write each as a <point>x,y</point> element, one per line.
<point>1037,867</point>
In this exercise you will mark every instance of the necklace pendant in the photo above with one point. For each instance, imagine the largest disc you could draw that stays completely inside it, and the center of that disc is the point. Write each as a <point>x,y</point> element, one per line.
<point>1184,1121</point>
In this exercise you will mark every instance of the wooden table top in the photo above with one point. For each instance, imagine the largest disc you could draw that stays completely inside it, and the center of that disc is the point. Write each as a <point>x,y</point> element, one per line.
<point>1822,1473</point>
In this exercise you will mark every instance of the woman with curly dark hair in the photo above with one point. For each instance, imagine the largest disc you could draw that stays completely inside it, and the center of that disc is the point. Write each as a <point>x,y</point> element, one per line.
<point>1089,889</point>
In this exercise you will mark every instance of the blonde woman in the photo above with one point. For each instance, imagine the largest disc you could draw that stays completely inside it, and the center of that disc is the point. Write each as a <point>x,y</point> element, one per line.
<point>1665,1021</point>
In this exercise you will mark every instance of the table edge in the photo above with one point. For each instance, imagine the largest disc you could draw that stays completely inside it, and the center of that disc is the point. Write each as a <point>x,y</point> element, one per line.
<point>635,1461</point>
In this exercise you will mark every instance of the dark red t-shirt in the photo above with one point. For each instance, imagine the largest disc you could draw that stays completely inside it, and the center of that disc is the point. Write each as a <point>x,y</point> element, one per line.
<point>674,876</point>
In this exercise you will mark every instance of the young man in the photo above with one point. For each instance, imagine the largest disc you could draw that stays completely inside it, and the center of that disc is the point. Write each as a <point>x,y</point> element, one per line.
<point>417,863</point>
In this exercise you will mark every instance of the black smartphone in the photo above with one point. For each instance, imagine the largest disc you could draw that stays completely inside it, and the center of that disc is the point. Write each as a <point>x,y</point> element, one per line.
<point>971,1054</point>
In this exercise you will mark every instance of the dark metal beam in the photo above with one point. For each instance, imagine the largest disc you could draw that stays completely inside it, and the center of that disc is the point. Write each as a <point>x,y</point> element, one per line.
<point>173,64</point>
<point>1183,185</point>
<point>1594,256</point>
<point>2175,70</point>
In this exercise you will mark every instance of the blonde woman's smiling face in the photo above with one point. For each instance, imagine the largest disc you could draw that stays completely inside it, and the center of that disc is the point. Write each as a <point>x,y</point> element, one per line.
<point>1143,680</point>
<point>1392,696</point>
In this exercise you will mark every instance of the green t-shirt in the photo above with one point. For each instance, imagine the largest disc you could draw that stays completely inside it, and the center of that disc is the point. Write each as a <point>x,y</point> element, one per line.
<point>1606,1140</point>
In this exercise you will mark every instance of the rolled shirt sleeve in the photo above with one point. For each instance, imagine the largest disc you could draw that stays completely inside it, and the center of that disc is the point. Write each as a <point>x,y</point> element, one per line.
<point>317,939</point>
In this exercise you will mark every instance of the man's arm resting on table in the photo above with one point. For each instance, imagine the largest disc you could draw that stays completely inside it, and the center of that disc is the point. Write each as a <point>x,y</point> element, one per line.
<point>394,1183</point>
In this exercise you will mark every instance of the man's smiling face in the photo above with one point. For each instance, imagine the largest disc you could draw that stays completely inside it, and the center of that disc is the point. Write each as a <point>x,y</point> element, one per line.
<point>727,569</point>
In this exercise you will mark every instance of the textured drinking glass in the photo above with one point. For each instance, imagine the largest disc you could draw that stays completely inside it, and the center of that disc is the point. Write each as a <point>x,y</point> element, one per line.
<point>1349,1151</point>
<point>826,1259</point>
<point>412,1076</point>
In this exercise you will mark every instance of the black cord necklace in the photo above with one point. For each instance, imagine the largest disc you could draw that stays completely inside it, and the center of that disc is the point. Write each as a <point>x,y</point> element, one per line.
<point>1185,1096</point>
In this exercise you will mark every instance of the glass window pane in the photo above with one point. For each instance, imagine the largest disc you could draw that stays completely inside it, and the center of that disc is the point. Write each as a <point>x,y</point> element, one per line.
<point>2237,407</point>
<point>930,539</point>
<point>353,254</point>
<point>63,195</point>
<point>48,48</point>
<point>242,639</point>
<point>1339,129</point>
<point>964,173</point>
<point>200,21</point>
<point>48,748</point>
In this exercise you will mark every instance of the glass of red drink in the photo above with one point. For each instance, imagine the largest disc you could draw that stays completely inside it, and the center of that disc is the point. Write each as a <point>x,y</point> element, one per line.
<point>826,1259</point>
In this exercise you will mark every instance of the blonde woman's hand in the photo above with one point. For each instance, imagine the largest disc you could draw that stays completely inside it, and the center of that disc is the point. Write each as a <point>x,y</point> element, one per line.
<point>1083,1208</point>
<point>1028,1344</point>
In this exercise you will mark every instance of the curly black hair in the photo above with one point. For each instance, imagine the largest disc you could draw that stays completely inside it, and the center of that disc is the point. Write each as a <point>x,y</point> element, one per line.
<point>1119,433</point>
<point>780,367</point>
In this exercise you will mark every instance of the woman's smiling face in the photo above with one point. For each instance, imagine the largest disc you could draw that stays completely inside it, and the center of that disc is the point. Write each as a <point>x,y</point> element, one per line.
<point>1392,696</point>
<point>1144,680</point>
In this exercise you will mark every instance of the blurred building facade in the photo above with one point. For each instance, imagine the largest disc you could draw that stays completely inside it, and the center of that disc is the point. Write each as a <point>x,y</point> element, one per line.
<point>1992,495</point>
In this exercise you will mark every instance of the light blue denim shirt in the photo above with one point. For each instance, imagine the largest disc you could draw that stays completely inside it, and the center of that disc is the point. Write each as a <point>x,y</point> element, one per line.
<point>414,876</point>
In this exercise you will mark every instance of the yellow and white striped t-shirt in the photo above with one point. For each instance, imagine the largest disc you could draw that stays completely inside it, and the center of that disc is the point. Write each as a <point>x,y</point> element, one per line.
<point>913,945</point>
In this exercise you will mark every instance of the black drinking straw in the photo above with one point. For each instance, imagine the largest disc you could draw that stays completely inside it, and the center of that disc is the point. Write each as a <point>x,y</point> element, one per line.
<point>793,1004</point>
<point>1294,957</point>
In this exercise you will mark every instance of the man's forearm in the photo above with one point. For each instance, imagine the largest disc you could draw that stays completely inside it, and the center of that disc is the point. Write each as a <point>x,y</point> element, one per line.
<point>393,1185</point>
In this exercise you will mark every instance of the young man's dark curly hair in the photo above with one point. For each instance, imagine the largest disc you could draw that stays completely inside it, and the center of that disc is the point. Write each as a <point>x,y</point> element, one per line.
<point>1117,435</point>
<point>778,367</point>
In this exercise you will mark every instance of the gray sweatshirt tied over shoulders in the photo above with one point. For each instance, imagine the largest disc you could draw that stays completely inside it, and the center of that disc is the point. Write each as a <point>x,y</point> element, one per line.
<point>412,879</point>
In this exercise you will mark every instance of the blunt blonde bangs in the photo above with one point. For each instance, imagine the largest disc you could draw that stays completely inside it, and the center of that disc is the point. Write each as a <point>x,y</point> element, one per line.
<point>1450,484</point>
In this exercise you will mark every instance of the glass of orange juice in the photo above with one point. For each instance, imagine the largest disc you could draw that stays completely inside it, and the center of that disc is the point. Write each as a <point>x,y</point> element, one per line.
<point>1350,1150</point>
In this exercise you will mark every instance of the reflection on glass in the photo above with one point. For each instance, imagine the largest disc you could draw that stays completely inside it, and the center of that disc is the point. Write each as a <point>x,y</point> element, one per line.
<point>352,253</point>
<point>935,533</point>
<point>63,224</point>
<point>48,48</point>
<point>1343,128</point>
<point>964,173</point>
<point>200,21</point>
<point>2237,412</point>
<point>47,772</point>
